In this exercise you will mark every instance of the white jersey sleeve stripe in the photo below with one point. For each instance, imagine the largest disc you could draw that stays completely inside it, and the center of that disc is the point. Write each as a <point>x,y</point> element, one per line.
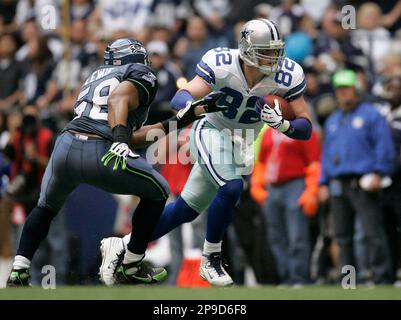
<point>297,90</point>
<point>202,69</point>
<point>203,74</point>
<point>296,94</point>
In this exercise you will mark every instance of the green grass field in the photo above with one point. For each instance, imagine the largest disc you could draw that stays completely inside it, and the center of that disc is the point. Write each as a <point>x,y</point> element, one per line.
<point>173,293</point>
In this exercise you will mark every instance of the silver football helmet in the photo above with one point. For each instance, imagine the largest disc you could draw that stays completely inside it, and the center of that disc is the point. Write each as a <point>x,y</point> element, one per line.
<point>260,45</point>
<point>126,50</point>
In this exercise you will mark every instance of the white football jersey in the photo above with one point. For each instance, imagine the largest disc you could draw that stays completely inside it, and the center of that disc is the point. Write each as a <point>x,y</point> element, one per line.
<point>220,68</point>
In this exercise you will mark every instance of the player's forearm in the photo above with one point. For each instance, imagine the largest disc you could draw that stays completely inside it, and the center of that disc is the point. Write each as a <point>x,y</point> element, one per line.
<point>151,133</point>
<point>193,111</point>
<point>118,115</point>
<point>147,135</point>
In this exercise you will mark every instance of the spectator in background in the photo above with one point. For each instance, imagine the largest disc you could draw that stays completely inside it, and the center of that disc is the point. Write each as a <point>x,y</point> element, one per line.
<point>7,16</point>
<point>215,12</point>
<point>124,17</point>
<point>357,145</point>
<point>39,67</point>
<point>285,182</point>
<point>298,46</point>
<point>315,9</point>
<point>391,200</point>
<point>81,9</point>
<point>315,94</point>
<point>287,16</point>
<point>262,11</point>
<point>167,75</point>
<point>193,46</point>
<point>164,13</point>
<point>10,73</point>
<point>391,62</point>
<point>29,34</point>
<point>244,10</point>
<point>392,14</point>
<point>371,37</point>
<point>333,48</point>
<point>29,149</point>
<point>68,75</point>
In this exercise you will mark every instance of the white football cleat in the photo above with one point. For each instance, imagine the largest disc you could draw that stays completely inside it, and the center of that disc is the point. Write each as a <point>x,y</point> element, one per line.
<point>211,269</point>
<point>112,250</point>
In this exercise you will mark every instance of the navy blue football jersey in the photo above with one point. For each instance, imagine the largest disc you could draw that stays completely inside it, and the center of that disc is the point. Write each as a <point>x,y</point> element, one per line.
<point>91,109</point>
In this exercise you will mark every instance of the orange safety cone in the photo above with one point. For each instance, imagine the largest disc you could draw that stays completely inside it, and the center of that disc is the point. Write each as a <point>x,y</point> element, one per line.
<point>188,275</point>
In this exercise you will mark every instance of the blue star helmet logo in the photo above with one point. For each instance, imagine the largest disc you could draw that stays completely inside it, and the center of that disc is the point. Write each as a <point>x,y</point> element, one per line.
<point>245,33</point>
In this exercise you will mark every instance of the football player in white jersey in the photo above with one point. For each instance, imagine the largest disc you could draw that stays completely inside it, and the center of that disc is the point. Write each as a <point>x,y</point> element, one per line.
<point>258,68</point>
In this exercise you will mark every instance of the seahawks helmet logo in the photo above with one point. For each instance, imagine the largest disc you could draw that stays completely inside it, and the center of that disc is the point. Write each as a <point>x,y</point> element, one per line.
<point>150,77</point>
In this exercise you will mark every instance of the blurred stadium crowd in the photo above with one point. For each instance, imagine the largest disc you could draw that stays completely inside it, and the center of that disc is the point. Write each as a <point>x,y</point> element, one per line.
<point>41,70</point>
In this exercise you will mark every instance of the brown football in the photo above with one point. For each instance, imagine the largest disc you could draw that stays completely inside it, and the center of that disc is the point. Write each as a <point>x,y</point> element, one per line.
<point>288,113</point>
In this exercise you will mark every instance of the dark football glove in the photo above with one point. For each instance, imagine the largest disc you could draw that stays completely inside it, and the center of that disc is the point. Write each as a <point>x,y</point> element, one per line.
<point>187,115</point>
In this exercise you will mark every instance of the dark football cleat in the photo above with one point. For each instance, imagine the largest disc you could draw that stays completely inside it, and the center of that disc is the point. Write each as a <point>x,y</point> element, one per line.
<point>19,278</point>
<point>143,273</point>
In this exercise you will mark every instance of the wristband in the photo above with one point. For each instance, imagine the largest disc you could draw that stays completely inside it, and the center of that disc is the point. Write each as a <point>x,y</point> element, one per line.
<point>121,133</point>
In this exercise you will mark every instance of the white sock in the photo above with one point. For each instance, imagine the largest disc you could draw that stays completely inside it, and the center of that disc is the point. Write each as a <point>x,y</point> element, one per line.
<point>209,247</point>
<point>126,239</point>
<point>130,257</point>
<point>20,262</point>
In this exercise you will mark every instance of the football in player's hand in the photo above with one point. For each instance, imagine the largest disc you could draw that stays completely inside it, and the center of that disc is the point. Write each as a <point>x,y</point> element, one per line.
<point>288,113</point>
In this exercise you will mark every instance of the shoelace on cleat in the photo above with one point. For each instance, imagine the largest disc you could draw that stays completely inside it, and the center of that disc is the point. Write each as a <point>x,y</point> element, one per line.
<point>216,262</point>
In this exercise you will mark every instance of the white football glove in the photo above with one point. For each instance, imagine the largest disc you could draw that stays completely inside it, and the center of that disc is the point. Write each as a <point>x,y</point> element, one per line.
<point>273,117</point>
<point>119,151</point>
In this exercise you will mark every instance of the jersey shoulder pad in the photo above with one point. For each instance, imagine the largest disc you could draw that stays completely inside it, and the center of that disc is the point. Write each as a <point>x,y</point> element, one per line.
<point>214,64</point>
<point>295,85</point>
<point>144,80</point>
<point>141,73</point>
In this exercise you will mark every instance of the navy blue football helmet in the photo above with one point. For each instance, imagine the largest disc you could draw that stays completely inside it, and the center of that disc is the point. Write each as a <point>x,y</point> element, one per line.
<point>125,50</point>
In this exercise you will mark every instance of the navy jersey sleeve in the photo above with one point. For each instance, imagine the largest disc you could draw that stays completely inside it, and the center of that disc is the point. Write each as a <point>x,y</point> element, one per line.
<point>144,80</point>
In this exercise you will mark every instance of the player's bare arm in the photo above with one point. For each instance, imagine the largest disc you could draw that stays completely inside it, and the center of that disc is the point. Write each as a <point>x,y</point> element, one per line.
<point>197,87</point>
<point>121,100</point>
